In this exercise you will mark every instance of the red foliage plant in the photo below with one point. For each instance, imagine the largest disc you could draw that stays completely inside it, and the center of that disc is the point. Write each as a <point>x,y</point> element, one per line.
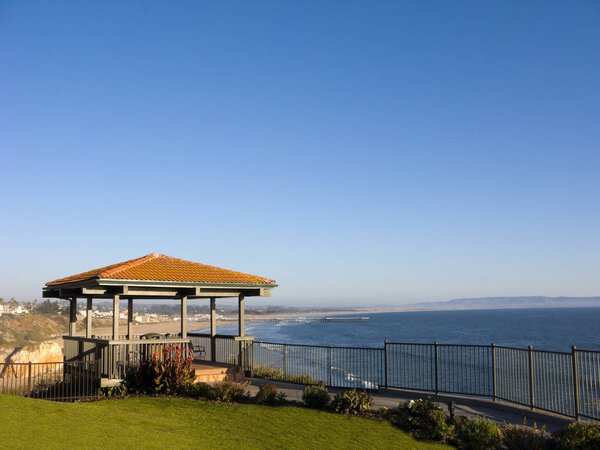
<point>168,373</point>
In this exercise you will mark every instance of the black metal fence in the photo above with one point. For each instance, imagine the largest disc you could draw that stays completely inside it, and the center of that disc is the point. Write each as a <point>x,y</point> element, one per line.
<point>64,381</point>
<point>566,383</point>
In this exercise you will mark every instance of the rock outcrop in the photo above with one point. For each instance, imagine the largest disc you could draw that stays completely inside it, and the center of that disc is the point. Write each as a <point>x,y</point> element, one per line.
<point>46,352</point>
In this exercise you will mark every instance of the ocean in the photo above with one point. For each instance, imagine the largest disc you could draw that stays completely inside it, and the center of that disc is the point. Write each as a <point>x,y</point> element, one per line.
<point>547,329</point>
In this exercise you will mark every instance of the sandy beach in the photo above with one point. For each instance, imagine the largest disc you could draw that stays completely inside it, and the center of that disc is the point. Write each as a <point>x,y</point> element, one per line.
<point>173,326</point>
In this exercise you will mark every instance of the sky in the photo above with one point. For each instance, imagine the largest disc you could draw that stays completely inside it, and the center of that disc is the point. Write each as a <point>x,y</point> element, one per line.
<point>358,152</point>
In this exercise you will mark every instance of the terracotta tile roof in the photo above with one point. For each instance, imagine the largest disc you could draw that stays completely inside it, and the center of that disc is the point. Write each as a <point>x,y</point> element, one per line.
<point>157,267</point>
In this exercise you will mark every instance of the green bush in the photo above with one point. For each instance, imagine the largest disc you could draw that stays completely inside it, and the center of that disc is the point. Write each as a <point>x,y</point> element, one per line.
<point>477,434</point>
<point>423,420</point>
<point>120,390</point>
<point>169,373</point>
<point>352,402</point>
<point>229,391</point>
<point>269,373</point>
<point>200,390</point>
<point>517,437</point>
<point>316,396</point>
<point>579,436</point>
<point>266,394</point>
<point>384,413</point>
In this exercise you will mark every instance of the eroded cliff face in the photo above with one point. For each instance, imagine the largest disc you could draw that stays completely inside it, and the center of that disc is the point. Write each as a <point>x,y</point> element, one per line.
<point>49,351</point>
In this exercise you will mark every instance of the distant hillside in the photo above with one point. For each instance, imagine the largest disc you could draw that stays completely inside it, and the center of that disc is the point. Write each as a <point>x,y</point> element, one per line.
<point>30,328</point>
<point>510,302</point>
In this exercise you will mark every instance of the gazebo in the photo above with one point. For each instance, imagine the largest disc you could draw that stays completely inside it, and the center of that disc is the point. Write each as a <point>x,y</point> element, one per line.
<point>155,277</point>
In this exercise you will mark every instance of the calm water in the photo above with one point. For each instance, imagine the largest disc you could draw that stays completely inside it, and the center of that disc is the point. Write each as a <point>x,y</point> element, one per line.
<point>550,329</point>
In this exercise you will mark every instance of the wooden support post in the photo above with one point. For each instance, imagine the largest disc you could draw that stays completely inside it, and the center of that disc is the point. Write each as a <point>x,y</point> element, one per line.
<point>72,316</point>
<point>129,318</point>
<point>241,328</point>
<point>115,324</point>
<point>88,318</point>
<point>213,328</point>
<point>184,318</point>
<point>241,316</point>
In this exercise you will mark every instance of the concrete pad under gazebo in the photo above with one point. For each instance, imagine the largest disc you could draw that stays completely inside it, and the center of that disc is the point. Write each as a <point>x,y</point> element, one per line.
<point>157,277</point>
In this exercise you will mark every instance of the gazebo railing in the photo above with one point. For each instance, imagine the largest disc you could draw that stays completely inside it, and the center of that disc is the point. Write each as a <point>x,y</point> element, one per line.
<point>116,356</point>
<point>226,349</point>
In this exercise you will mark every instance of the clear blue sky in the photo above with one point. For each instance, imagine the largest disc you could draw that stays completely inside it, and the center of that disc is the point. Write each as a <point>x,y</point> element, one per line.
<point>357,152</point>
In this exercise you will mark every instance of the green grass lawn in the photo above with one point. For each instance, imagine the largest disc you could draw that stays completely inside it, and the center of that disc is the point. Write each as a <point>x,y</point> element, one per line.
<point>144,423</point>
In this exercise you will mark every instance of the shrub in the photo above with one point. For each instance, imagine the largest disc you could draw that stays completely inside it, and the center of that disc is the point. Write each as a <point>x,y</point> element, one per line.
<point>281,397</point>
<point>200,390</point>
<point>229,391</point>
<point>315,396</point>
<point>170,374</point>
<point>477,434</point>
<point>269,373</point>
<point>120,390</point>
<point>517,437</point>
<point>579,436</point>
<point>266,394</point>
<point>352,402</point>
<point>384,412</point>
<point>423,420</point>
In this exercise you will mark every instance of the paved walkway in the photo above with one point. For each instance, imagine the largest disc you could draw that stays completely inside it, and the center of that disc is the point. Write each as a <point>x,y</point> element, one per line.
<point>464,406</point>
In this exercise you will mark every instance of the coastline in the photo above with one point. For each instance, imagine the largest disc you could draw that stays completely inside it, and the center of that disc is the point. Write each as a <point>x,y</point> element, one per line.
<point>174,326</point>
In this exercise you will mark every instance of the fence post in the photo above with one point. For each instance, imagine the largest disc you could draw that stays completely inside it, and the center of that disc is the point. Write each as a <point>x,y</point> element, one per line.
<point>29,378</point>
<point>285,360</point>
<point>251,364</point>
<point>329,363</point>
<point>493,371</point>
<point>213,348</point>
<point>436,368</point>
<point>531,396</point>
<point>385,363</point>
<point>575,381</point>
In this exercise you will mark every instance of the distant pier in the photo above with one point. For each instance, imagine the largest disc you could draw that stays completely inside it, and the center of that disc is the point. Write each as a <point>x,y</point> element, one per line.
<point>308,319</point>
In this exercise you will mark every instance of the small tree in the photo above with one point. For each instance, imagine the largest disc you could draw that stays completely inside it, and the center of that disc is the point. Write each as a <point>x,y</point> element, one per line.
<point>48,307</point>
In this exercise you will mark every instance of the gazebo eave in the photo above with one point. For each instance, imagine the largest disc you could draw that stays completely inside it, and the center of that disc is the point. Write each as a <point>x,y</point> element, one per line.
<point>151,289</point>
